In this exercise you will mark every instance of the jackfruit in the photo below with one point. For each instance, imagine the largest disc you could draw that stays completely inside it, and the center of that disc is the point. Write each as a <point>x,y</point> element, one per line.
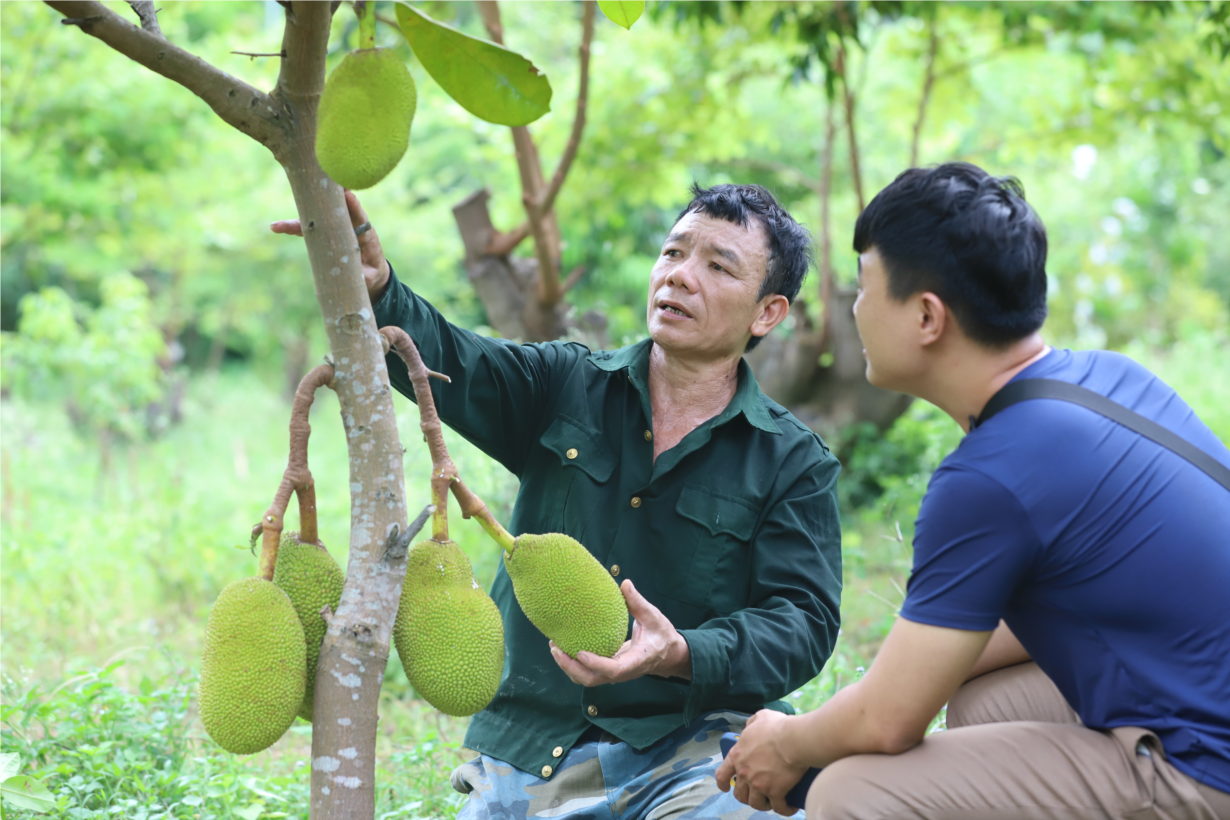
<point>311,578</point>
<point>567,594</point>
<point>253,669</point>
<point>363,123</point>
<point>448,631</point>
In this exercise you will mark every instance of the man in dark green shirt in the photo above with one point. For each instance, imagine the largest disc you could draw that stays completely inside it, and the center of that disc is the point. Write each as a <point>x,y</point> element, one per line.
<point>711,503</point>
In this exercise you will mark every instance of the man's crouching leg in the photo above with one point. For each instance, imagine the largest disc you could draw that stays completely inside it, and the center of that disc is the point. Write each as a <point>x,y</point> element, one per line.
<point>500,791</point>
<point>1014,771</point>
<point>607,779</point>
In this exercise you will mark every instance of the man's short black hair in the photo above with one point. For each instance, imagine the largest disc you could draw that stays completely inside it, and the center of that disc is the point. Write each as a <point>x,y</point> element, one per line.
<point>790,245</point>
<point>968,237</point>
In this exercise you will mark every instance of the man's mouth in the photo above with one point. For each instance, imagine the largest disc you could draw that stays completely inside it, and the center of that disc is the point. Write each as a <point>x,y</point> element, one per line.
<point>673,310</point>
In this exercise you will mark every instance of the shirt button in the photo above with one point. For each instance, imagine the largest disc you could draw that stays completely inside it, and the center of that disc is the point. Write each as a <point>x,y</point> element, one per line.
<point>593,711</point>
<point>636,501</point>
<point>648,435</point>
<point>614,569</point>
<point>546,771</point>
<point>557,751</point>
<point>572,452</point>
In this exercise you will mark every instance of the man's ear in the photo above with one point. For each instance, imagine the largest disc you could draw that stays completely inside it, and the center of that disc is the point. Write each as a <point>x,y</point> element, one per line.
<point>773,310</point>
<point>933,318</point>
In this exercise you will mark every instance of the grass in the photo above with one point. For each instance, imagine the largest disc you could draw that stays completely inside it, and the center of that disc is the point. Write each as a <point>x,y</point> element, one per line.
<point>108,579</point>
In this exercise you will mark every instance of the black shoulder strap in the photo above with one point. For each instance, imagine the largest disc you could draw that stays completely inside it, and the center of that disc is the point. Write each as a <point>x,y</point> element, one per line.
<point>1026,389</point>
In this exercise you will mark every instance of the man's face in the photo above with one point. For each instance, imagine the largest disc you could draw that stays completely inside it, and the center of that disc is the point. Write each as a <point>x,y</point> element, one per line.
<point>888,328</point>
<point>703,288</point>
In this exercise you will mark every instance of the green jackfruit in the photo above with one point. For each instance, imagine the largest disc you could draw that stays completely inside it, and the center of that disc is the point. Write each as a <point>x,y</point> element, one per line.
<point>567,594</point>
<point>363,123</point>
<point>311,578</point>
<point>253,670</point>
<point>448,631</point>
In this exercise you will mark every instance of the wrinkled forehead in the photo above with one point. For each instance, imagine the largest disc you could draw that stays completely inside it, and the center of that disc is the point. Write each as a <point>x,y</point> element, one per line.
<point>751,237</point>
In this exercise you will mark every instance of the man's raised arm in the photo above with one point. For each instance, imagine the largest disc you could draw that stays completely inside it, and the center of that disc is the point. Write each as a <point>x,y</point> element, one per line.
<point>500,391</point>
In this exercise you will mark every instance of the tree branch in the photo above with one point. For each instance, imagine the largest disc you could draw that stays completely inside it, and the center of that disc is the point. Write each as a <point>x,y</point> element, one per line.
<point>827,287</point>
<point>578,121</point>
<point>147,14</point>
<point>856,172</point>
<point>933,47</point>
<point>239,105</point>
<point>571,279</point>
<point>502,244</point>
<point>541,226</point>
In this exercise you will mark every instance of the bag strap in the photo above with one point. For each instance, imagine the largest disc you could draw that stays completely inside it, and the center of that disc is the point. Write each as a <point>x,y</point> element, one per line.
<point>1026,389</point>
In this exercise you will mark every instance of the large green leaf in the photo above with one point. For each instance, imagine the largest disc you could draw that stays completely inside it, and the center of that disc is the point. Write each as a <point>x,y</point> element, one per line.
<point>27,793</point>
<point>488,80</point>
<point>622,12</point>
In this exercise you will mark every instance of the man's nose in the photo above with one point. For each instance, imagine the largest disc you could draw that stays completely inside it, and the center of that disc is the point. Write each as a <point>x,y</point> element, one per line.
<point>683,276</point>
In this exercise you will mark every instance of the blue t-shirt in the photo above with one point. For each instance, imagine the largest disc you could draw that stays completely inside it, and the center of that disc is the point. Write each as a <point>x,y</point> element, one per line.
<point>1106,554</point>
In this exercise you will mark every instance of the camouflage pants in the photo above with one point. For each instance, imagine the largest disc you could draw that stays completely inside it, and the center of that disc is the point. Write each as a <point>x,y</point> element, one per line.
<point>607,779</point>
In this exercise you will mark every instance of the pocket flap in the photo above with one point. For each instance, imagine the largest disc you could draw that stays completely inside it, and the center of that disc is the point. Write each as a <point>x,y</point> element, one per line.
<point>578,446</point>
<point>717,512</point>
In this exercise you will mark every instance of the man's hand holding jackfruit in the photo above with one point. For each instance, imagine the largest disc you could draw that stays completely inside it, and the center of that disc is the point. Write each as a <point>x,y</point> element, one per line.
<point>375,266</point>
<point>656,648</point>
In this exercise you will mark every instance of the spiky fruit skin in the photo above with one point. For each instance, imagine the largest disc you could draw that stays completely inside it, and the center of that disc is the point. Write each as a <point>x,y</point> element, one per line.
<point>311,578</point>
<point>448,631</point>
<point>252,673</point>
<point>363,123</point>
<point>567,594</point>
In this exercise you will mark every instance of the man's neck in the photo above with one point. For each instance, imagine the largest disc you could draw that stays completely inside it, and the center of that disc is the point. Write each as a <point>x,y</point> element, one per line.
<point>684,393</point>
<point>964,377</point>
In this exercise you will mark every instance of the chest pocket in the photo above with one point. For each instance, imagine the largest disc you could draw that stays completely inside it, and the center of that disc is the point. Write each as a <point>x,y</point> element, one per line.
<point>585,462</point>
<point>712,559</point>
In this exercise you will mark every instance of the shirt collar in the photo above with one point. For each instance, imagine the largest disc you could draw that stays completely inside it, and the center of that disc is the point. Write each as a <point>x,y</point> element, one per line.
<point>747,399</point>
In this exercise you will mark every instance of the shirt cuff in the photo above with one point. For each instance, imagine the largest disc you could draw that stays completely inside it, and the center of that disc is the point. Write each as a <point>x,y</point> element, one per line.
<point>385,309</point>
<point>710,668</point>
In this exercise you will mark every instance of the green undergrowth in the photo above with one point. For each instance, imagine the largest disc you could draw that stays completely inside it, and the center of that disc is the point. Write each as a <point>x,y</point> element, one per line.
<point>108,577</point>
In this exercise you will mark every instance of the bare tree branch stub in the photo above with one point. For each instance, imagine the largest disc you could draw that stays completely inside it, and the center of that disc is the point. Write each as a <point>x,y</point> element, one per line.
<point>148,16</point>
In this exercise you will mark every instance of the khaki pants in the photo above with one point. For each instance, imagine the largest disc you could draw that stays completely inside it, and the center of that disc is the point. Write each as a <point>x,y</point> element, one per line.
<point>1015,750</point>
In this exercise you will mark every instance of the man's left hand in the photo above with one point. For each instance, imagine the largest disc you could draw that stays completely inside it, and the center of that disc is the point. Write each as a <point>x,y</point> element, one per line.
<point>656,648</point>
<point>762,772</point>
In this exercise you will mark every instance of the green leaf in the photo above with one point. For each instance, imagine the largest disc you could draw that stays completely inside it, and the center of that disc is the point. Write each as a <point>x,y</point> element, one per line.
<point>489,81</point>
<point>10,764</point>
<point>252,812</point>
<point>27,793</point>
<point>622,12</point>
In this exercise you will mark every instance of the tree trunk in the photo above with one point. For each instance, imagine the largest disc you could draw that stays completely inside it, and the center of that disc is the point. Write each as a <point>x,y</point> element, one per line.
<point>356,646</point>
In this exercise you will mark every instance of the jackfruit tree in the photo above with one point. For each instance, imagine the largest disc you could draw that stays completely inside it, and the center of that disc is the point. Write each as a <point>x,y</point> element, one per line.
<point>490,82</point>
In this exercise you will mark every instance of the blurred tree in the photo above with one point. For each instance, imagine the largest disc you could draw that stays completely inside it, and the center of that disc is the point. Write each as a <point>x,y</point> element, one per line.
<point>1140,67</point>
<point>102,362</point>
<point>525,298</point>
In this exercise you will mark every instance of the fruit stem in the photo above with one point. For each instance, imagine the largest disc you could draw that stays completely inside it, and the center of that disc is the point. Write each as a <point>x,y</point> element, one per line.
<point>297,478</point>
<point>366,11</point>
<point>474,507</point>
<point>443,471</point>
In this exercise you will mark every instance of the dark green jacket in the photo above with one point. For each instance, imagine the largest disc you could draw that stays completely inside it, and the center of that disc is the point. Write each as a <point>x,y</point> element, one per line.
<point>733,534</point>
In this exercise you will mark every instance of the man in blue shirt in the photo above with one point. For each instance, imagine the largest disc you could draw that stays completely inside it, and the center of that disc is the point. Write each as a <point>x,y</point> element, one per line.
<point>1070,596</point>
